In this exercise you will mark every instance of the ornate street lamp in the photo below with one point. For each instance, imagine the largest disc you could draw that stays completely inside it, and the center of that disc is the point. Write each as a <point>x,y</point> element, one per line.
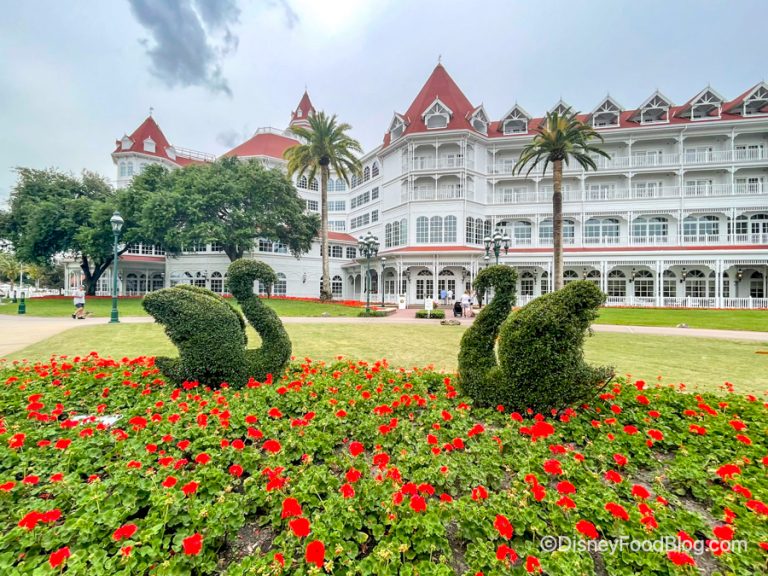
<point>383,265</point>
<point>497,242</point>
<point>369,247</point>
<point>117,224</point>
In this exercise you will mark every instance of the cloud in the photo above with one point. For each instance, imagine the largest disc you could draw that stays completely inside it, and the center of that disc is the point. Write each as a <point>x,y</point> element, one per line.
<point>188,40</point>
<point>291,17</point>
<point>230,138</point>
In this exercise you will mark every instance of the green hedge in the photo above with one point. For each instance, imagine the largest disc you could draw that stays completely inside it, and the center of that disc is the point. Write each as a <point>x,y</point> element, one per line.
<point>210,333</point>
<point>437,313</point>
<point>372,314</point>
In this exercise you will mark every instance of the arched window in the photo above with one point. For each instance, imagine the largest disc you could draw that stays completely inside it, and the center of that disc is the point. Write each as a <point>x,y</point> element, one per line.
<point>649,228</point>
<point>354,180</point>
<point>695,284</point>
<point>469,232</point>
<point>601,230</point>
<point>569,276</point>
<point>758,224</point>
<point>699,227</point>
<point>374,283</point>
<point>375,170</point>
<point>521,232</point>
<point>314,185</point>
<point>200,279</point>
<point>302,182</point>
<point>366,174</point>
<point>123,170</point>
<point>436,229</point>
<point>479,231</point>
<point>669,284</point>
<point>337,286</point>
<point>527,281</point>
<point>545,231</point>
<point>157,281</point>
<point>132,283</point>
<point>643,284</point>
<point>388,236</point>
<point>544,282</point>
<point>331,185</point>
<point>281,286</point>
<point>422,230</point>
<point>617,283</point>
<point>217,282</point>
<point>449,231</point>
<point>756,286</point>
<point>403,231</point>
<point>341,185</point>
<point>594,277</point>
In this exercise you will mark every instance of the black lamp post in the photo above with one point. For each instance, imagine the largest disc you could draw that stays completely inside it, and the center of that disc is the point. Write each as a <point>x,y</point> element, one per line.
<point>383,265</point>
<point>369,247</point>
<point>117,224</point>
<point>497,242</point>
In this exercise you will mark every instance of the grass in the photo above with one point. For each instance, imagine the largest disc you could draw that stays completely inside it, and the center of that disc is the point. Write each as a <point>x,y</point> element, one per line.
<point>101,307</point>
<point>755,320</point>
<point>701,363</point>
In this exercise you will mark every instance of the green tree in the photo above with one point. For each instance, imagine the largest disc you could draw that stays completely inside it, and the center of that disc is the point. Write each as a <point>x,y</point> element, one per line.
<point>9,268</point>
<point>52,213</point>
<point>325,146</point>
<point>560,138</point>
<point>229,202</point>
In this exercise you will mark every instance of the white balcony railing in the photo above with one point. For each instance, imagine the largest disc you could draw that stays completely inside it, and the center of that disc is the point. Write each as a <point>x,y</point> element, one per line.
<point>641,241</point>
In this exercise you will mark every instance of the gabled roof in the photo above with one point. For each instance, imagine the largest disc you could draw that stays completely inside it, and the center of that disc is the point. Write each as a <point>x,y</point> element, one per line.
<point>708,95</point>
<point>736,107</point>
<point>607,104</point>
<point>306,107</point>
<point>264,143</point>
<point>439,86</point>
<point>561,105</point>
<point>147,129</point>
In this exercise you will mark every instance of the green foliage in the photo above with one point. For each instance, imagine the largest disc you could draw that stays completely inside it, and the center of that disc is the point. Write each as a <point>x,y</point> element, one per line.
<point>478,367</point>
<point>435,313</point>
<point>541,350</point>
<point>372,313</point>
<point>52,212</point>
<point>230,202</point>
<point>210,333</point>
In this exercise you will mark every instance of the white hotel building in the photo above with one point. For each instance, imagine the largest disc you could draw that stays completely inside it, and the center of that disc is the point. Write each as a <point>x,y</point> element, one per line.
<point>678,216</point>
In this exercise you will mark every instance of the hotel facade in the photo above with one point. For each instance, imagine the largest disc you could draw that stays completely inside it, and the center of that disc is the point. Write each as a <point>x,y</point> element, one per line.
<point>677,217</point>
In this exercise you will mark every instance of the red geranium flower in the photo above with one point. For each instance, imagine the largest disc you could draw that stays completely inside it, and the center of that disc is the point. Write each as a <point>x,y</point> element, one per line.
<point>236,470</point>
<point>723,532</point>
<point>300,527</point>
<point>586,528</point>
<point>356,448</point>
<point>680,558</point>
<point>532,565</point>
<point>617,510</point>
<point>315,553</point>
<point>553,467</point>
<point>291,507</point>
<point>639,491</point>
<point>190,488</point>
<point>170,482</point>
<point>418,504</point>
<point>193,544</point>
<point>124,532</point>
<point>272,446</point>
<point>479,493</point>
<point>347,491</point>
<point>57,557</point>
<point>566,487</point>
<point>503,526</point>
<point>504,552</point>
<point>353,475</point>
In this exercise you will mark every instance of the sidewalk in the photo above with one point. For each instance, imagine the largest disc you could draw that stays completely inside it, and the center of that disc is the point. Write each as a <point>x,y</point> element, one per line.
<point>17,332</point>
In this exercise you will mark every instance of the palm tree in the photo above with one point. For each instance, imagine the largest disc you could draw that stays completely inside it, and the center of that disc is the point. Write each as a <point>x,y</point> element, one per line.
<point>325,146</point>
<point>560,137</point>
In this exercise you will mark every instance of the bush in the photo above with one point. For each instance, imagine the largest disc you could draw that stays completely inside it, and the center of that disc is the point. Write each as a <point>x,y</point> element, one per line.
<point>437,313</point>
<point>372,314</point>
<point>210,333</point>
<point>478,368</point>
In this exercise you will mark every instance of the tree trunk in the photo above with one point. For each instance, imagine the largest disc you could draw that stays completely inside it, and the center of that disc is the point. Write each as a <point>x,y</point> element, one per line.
<point>557,221</point>
<point>92,276</point>
<point>325,289</point>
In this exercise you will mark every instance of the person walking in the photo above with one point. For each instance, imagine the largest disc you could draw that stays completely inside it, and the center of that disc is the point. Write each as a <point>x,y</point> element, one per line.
<point>444,297</point>
<point>466,304</point>
<point>79,302</point>
<point>450,296</point>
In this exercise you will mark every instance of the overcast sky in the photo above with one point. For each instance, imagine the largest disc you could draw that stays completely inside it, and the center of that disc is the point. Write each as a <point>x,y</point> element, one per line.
<point>76,75</point>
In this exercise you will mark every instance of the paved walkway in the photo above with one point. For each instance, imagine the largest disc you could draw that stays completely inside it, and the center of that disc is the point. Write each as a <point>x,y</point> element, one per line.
<point>17,332</point>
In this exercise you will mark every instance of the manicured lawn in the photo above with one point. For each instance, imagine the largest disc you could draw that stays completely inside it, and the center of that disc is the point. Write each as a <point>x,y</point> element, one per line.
<point>756,320</point>
<point>699,362</point>
<point>101,307</point>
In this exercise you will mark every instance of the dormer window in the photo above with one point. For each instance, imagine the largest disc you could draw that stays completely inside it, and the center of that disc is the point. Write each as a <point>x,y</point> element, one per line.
<point>298,112</point>
<point>515,121</point>
<point>655,110</point>
<point>437,115</point>
<point>706,104</point>
<point>149,145</point>
<point>479,120</point>
<point>562,108</point>
<point>171,152</point>
<point>607,114</point>
<point>755,103</point>
<point>126,143</point>
<point>396,127</point>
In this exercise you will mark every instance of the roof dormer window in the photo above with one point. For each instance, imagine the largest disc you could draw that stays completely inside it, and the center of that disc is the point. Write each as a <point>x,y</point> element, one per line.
<point>171,152</point>
<point>396,127</point>
<point>515,121</point>
<point>607,114</point>
<point>755,103</point>
<point>655,110</point>
<point>437,115</point>
<point>298,113</point>
<point>562,108</point>
<point>149,145</point>
<point>126,143</point>
<point>479,120</point>
<point>706,104</point>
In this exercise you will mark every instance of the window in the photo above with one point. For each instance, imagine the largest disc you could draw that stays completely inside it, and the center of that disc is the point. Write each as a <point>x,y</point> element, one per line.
<point>669,284</point>
<point>699,227</point>
<point>527,281</point>
<point>351,252</point>
<point>149,145</point>
<point>643,284</point>
<point>648,189</point>
<point>341,186</point>
<point>436,229</point>
<point>331,184</point>
<point>360,199</point>
<point>134,249</point>
<point>362,220</point>
<point>569,231</point>
<point>601,231</point>
<point>707,104</point>
<point>314,185</point>
<point>422,230</point>
<point>469,232</point>
<point>695,284</point>
<point>374,215</point>
<point>756,286</point>
<point>569,276</point>
<point>388,236</point>
<point>646,229</point>
<point>129,168</point>
<point>522,232</point>
<point>281,286</point>
<point>437,115</point>
<point>335,251</point>
<point>337,286</point>
<point>726,286</point>
<point>270,246</point>
<point>375,193</point>
<point>403,231</point>
<point>601,191</point>
<point>617,284</point>
<point>217,283</point>
<point>748,151</point>
<point>301,182</point>
<point>654,110</point>
<point>366,174</point>
<point>606,115</point>
<point>449,229</point>
<point>217,247</point>
<point>337,205</point>
<point>375,170</point>
<point>157,281</point>
<point>594,277</point>
<point>312,205</point>
<point>396,127</point>
<point>122,170</point>
<point>337,225</point>
<point>424,285</point>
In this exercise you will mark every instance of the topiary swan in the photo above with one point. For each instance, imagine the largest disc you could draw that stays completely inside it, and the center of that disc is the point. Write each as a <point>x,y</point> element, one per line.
<point>540,347</point>
<point>210,333</point>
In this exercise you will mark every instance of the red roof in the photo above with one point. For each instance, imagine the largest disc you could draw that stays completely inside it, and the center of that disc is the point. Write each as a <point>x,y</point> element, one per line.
<point>306,107</point>
<point>147,129</point>
<point>341,237</point>
<point>435,249</point>
<point>263,144</point>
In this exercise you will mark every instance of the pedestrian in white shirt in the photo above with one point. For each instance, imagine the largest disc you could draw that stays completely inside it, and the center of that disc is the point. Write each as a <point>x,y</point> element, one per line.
<point>79,302</point>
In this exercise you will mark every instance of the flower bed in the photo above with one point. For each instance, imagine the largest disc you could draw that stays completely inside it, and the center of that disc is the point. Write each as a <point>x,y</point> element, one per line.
<point>358,469</point>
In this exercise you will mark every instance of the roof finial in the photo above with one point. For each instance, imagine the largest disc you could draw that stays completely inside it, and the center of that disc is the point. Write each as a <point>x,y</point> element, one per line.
<point>151,109</point>
<point>305,86</point>
<point>439,59</point>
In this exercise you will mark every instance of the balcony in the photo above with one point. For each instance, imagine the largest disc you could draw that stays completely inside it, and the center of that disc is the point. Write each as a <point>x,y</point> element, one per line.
<point>454,192</point>
<point>643,241</point>
<point>425,164</point>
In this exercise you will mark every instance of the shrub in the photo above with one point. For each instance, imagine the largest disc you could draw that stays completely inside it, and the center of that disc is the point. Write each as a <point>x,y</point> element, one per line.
<point>437,313</point>
<point>372,314</point>
<point>210,333</point>
<point>478,369</point>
